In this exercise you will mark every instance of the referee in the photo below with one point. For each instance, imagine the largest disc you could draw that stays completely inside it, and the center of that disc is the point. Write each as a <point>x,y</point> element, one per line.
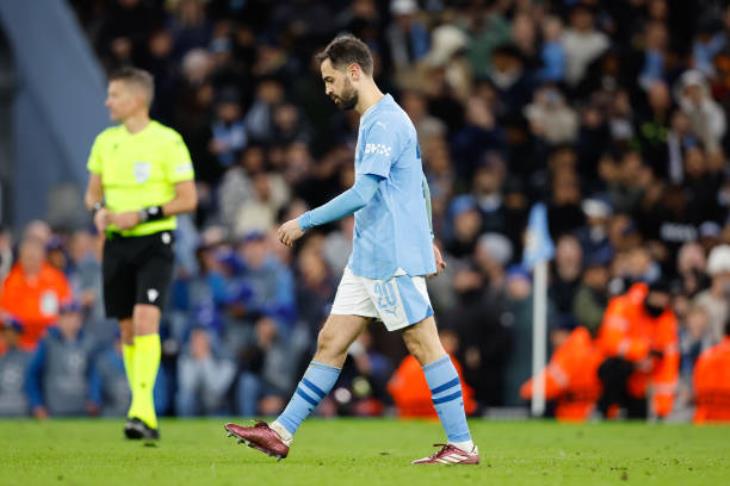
<point>141,176</point>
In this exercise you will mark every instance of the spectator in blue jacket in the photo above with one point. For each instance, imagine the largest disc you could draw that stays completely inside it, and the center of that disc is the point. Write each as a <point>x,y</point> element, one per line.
<point>13,363</point>
<point>58,380</point>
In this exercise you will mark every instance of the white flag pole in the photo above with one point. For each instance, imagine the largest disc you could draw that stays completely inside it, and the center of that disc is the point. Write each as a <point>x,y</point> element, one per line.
<point>539,337</point>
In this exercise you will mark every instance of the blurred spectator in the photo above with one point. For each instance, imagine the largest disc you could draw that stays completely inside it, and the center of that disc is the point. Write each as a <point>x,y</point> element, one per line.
<point>518,319</point>
<point>639,340</point>
<point>204,377</point>
<point>553,54</point>
<point>583,43</point>
<point>229,132</point>
<point>712,383</point>
<point>551,118</point>
<point>13,364</point>
<point>706,117</point>
<point>593,236</point>
<point>570,378</point>
<point>58,380</point>
<point>591,297</point>
<point>407,35</point>
<point>568,269</point>
<point>715,299</point>
<point>33,291</point>
<point>267,372</point>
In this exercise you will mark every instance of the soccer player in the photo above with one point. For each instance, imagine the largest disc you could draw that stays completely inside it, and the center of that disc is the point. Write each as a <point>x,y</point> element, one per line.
<point>392,254</point>
<point>141,176</point>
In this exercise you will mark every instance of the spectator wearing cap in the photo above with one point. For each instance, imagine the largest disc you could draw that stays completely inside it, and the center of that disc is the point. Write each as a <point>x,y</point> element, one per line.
<point>591,297</point>
<point>408,38</point>
<point>706,117</point>
<point>594,236</point>
<point>476,317</point>
<point>639,339</point>
<point>228,129</point>
<point>33,291</point>
<point>205,375</point>
<point>466,225</point>
<point>58,379</point>
<point>13,364</point>
<point>518,319</point>
<point>715,299</point>
<point>513,82</point>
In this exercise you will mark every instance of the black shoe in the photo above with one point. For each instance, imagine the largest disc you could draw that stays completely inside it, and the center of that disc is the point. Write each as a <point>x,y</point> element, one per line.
<point>136,429</point>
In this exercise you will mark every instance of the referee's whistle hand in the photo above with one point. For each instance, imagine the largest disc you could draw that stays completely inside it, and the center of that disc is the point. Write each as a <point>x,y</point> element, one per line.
<point>101,220</point>
<point>126,220</point>
<point>290,232</point>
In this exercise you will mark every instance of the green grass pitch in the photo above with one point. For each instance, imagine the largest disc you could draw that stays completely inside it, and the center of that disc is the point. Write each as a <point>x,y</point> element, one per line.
<point>367,452</point>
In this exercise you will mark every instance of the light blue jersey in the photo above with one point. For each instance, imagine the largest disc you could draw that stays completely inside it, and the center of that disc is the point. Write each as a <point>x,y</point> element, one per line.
<point>392,232</point>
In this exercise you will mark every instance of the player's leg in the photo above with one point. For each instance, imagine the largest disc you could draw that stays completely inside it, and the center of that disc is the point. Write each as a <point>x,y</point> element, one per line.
<point>154,262</point>
<point>126,333</point>
<point>403,303</point>
<point>338,333</point>
<point>147,353</point>
<point>351,312</point>
<point>119,296</point>
<point>422,341</point>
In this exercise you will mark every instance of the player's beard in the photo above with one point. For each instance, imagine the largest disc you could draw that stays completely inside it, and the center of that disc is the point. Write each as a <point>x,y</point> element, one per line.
<point>348,99</point>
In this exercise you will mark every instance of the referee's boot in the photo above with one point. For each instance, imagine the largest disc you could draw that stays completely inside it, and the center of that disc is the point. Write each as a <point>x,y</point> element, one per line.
<point>136,429</point>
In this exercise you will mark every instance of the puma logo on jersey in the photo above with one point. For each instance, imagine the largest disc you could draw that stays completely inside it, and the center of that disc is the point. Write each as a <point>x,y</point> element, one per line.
<point>378,149</point>
<point>152,295</point>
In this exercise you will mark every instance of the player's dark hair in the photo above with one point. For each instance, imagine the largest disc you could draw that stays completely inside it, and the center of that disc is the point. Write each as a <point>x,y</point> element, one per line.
<point>347,49</point>
<point>136,76</point>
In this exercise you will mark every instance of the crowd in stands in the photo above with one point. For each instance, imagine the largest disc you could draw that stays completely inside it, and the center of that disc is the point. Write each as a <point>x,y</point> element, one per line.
<point>614,114</point>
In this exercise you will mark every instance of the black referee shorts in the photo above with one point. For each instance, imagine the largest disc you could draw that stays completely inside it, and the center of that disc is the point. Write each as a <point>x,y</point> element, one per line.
<point>136,270</point>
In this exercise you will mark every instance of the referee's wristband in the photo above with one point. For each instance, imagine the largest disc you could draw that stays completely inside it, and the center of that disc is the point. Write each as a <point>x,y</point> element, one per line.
<point>96,207</point>
<point>152,213</point>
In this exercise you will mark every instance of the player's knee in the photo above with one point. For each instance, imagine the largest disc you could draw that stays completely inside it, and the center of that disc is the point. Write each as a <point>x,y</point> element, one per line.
<point>146,319</point>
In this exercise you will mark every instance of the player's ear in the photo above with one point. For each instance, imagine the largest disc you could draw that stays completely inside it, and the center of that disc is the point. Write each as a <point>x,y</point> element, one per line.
<point>354,71</point>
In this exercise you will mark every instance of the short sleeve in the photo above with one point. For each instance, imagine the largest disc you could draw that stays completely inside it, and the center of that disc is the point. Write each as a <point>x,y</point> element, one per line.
<point>94,162</point>
<point>380,150</point>
<point>178,164</point>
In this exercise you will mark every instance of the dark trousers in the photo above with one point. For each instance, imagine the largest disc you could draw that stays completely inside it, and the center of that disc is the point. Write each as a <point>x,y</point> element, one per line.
<point>614,374</point>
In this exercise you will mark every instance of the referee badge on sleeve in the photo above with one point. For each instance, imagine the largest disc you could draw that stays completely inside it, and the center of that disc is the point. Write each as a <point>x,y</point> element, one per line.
<point>142,171</point>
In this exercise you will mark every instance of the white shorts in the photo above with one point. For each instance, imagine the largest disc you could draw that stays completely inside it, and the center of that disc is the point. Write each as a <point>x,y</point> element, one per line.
<point>399,302</point>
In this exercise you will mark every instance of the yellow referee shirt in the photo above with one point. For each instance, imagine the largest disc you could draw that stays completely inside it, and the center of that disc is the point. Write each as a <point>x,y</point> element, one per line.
<point>139,170</point>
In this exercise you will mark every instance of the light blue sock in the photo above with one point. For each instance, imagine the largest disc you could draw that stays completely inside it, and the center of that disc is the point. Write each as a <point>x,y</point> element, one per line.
<point>316,383</point>
<point>446,394</point>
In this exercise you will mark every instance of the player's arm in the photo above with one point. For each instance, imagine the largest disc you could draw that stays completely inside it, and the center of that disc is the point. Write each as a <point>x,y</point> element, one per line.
<point>440,262</point>
<point>185,200</point>
<point>427,199</point>
<point>94,192</point>
<point>350,201</point>
<point>94,197</point>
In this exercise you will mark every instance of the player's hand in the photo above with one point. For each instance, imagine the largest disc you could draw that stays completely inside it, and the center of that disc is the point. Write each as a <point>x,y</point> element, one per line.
<point>290,232</point>
<point>126,220</point>
<point>101,220</point>
<point>440,262</point>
